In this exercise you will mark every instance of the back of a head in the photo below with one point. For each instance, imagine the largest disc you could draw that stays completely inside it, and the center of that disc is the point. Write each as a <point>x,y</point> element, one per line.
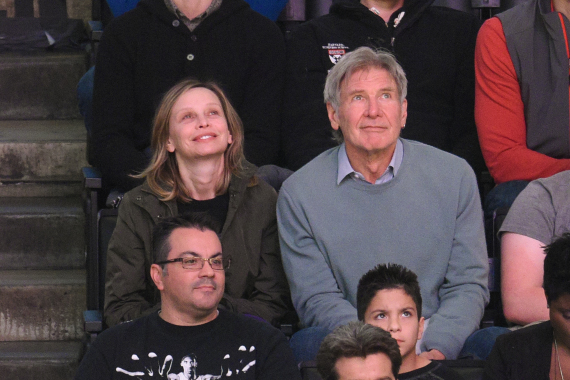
<point>356,340</point>
<point>556,281</point>
<point>387,276</point>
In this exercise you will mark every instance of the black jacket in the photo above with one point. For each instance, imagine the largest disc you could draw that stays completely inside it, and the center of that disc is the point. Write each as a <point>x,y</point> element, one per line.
<point>146,51</point>
<point>434,45</point>
<point>521,355</point>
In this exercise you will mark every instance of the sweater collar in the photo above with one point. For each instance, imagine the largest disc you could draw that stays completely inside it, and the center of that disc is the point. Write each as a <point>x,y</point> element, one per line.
<point>345,168</point>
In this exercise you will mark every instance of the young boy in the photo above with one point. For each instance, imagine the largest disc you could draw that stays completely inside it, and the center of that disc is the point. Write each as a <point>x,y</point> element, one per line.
<point>389,297</point>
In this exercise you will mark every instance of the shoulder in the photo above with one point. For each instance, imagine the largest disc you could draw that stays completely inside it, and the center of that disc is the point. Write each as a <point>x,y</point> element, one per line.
<point>544,190</point>
<point>557,184</point>
<point>327,25</point>
<point>526,337</point>
<point>238,325</point>
<point>519,18</point>
<point>253,186</point>
<point>140,195</point>
<point>432,371</point>
<point>128,23</point>
<point>445,373</point>
<point>114,338</point>
<point>491,31</point>
<point>427,156</point>
<point>318,173</point>
<point>238,12</point>
<point>451,18</point>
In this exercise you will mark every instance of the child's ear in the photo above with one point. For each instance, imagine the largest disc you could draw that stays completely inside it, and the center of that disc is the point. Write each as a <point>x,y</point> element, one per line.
<point>421,328</point>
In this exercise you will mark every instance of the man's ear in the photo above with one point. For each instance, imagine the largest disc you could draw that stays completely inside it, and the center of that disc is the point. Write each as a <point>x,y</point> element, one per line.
<point>156,273</point>
<point>333,117</point>
<point>404,112</point>
<point>421,327</point>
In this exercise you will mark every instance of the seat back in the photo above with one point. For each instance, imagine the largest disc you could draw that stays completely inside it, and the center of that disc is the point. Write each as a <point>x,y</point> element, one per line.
<point>499,216</point>
<point>107,222</point>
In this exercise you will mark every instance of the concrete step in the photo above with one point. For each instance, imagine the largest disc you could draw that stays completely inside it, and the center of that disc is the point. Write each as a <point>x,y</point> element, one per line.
<point>79,9</point>
<point>52,187</point>
<point>41,151</point>
<point>39,360</point>
<point>42,233</point>
<point>40,85</point>
<point>42,305</point>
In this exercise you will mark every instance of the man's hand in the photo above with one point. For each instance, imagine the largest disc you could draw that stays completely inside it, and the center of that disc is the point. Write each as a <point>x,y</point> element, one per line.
<point>433,355</point>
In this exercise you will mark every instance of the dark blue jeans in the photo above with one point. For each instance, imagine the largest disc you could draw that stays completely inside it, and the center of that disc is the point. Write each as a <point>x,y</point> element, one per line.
<point>502,195</point>
<point>305,343</point>
<point>480,343</point>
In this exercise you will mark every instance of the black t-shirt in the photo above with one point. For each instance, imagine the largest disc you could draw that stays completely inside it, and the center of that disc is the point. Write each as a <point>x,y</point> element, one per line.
<point>231,346</point>
<point>432,371</point>
<point>217,208</point>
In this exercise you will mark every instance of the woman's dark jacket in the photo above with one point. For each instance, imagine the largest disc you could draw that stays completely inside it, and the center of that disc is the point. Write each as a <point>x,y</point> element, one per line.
<point>255,281</point>
<point>523,354</point>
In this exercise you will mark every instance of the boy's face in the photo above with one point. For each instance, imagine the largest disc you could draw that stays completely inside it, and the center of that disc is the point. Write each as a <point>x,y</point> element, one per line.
<point>395,311</point>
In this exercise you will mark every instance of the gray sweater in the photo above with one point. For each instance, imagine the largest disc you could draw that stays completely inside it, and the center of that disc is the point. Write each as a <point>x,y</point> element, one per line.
<point>427,218</point>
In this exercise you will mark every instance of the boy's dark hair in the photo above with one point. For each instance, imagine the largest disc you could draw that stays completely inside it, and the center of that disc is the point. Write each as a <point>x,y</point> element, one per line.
<point>162,231</point>
<point>356,340</point>
<point>387,276</point>
<point>556,281</point>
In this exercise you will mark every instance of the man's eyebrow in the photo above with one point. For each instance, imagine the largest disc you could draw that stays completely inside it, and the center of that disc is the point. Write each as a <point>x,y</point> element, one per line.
<point>194,254</point>
<point>383,89</point>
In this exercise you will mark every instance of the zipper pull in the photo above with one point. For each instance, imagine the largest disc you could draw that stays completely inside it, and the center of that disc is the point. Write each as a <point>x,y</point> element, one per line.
<point>392,41</point>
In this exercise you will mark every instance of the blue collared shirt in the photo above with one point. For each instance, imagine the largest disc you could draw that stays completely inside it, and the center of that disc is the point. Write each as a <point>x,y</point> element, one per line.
<point>345,169</point>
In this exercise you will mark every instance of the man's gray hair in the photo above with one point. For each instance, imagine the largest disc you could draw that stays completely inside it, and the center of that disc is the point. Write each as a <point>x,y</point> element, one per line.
<point>363,58</point>
<point>356,340</point>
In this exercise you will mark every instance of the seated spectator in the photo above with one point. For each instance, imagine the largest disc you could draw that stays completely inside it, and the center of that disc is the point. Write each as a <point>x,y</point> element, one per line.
<point>389,297</point>
<point>268,8</point>
<point>541,351</point>
<point>380,198</point>
<point>144,52</point>
<point>435,46</point>
<point>538,216</point>
<point>189,337</point>
<point>358,351</point>
<point>198,166</point>
<point>521,99</point>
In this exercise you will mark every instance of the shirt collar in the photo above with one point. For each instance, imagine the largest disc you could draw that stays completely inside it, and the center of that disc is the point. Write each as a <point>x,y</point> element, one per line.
<point>192,24</point>
<point>345,169</point>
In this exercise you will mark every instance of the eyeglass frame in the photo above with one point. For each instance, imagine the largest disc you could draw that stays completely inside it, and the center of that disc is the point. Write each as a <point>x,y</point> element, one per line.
<point>226,262</point>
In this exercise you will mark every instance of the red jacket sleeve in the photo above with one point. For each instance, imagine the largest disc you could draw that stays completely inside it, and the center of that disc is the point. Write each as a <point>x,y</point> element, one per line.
<point>499,113</point>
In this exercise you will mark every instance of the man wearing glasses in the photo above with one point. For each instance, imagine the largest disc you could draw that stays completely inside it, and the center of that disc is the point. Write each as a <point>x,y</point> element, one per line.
<point>189,271</point>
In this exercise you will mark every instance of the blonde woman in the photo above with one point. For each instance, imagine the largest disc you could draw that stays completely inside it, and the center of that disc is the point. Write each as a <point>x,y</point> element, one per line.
<point>198,166</point>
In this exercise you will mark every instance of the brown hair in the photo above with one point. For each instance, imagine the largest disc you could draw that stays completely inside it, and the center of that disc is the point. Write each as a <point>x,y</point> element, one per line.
<point>162,173</point>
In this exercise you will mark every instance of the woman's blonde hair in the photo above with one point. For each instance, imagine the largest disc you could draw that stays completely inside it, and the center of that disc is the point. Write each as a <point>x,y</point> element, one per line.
<point>162,174</point>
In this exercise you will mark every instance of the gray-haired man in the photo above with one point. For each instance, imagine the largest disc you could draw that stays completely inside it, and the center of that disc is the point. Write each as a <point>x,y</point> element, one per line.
<point>378,198</point>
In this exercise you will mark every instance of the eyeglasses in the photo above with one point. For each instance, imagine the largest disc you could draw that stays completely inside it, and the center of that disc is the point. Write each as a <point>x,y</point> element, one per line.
<point>197,263</point>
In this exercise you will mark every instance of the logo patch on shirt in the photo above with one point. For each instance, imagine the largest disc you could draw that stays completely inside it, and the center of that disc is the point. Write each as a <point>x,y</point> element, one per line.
<point>335,51</point>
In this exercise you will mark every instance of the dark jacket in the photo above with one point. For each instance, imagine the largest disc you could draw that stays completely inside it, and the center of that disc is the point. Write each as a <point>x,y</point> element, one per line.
<point>534,39</point>
<point>434,45</point>
<point>146,51</point>
<point>255,281</point>
<point>521,355</point>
